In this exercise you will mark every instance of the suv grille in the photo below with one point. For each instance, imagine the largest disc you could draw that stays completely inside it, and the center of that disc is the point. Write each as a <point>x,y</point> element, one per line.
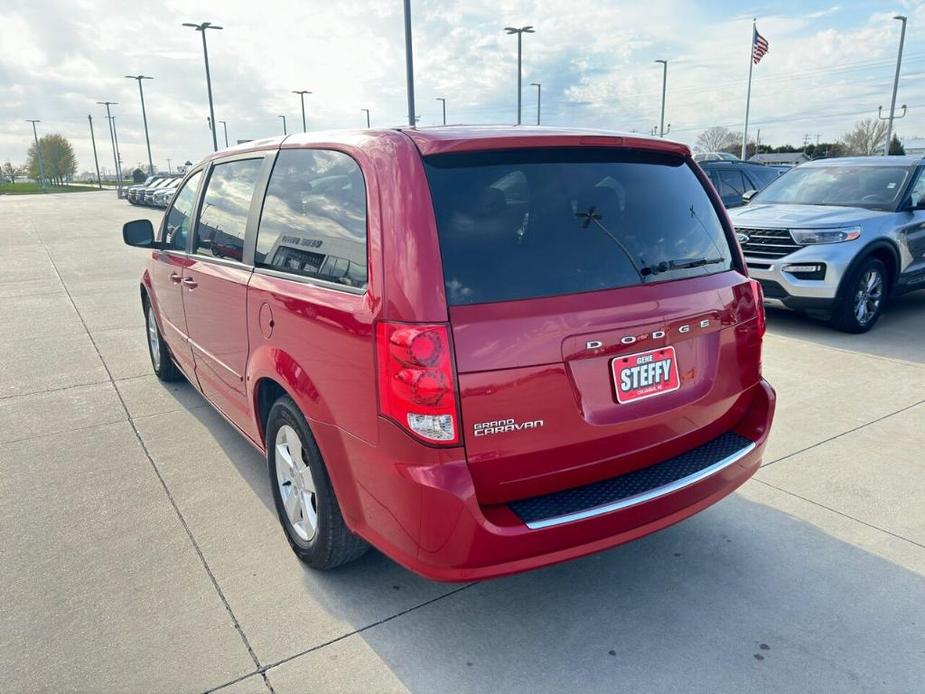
<point>767,243</point>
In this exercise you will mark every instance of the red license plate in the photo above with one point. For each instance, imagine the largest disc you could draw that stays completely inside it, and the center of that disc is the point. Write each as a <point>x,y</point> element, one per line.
<point>646,374</point>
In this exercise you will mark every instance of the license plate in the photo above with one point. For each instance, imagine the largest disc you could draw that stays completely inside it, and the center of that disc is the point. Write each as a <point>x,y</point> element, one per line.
<point>645,374</point>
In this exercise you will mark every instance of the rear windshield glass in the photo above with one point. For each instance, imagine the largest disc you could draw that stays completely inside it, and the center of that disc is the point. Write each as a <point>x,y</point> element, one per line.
<point>523,224</point>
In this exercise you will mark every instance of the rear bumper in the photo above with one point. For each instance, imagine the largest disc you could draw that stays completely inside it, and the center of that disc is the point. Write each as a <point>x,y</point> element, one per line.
<point>427,517</point>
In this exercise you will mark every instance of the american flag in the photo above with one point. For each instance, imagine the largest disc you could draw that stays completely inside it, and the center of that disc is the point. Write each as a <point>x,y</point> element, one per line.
<point>759,46</point>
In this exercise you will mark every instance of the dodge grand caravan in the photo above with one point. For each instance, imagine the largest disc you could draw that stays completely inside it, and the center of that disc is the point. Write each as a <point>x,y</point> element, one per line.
<point>480,350</point>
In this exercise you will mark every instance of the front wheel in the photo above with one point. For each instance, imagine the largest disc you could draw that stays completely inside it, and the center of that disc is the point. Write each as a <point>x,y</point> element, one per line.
<point>302,492</point>
<point>864,298</point>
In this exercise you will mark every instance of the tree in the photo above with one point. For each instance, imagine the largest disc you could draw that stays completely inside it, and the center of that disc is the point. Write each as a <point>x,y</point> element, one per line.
<point>10,171</point>
<point>867,137</point>
<point>57,158</point>
<point>896,147</point>
<point>717,139</point>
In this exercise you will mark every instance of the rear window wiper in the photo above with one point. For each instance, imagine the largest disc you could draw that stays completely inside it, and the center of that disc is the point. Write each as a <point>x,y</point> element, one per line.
<point>680,264</point>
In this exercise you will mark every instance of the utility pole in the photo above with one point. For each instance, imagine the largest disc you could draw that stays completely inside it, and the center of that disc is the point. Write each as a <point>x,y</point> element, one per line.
<point>366,111</point>
<point>539,99</point>
<point>144,117</point>
<point>96,161</point>
<point>520,31</point>
<point>169,169</point>
<point>409,64</point>
<point>202,28</point>
<point>284,124</point>
<point>302,93</point>
<point>115,137</point>
<point>899,60</point>
<point>225,126</point>
<point>38,151</point>
<point>664,85</point>
<point>443,103</point>
<point>112,137</point>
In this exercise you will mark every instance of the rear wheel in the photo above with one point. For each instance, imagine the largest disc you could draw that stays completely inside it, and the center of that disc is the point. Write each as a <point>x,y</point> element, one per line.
<point>161,361</point>
<point>302,492</point>
<point>865,295</point>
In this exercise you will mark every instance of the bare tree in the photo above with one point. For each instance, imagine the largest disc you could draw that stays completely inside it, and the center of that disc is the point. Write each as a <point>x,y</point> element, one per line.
<point>717,139</point>
<point>867,137</point>
<point>9,171</point>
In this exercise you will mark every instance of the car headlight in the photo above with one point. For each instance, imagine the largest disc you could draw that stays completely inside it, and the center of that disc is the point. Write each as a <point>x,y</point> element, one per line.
<point>806,237</point>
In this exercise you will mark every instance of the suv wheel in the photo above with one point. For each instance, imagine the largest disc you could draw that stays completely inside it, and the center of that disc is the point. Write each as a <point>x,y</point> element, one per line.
<point>864,297</point>
<point>161,361</point>
<point>302,492</point>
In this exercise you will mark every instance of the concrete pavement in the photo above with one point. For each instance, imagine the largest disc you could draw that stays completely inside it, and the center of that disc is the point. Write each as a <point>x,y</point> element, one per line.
<point>139,550</point>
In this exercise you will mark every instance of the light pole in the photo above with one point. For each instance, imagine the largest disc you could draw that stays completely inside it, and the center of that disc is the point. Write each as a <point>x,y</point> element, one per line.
<point>112,137</point>
<point>115,137</point>
<point>202,28</point>
<point>38,151</point>
<point>520,32</point>
<point>661,127</point>
<point>539,96</point>
<point>443,102</point>
<point>302,93</point>
<point>225,127</point>
<point>96,161</point>
<point>409,64</point>
<point>169,168</point>
<point>899,60</point>
<point>284,124</point>
<point>144,117</point>
<point>366,111</point>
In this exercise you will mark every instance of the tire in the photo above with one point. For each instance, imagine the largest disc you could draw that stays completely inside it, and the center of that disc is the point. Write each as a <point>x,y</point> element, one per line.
<point>866,289</point>
<point>300,483</point>
<point>161,361</point>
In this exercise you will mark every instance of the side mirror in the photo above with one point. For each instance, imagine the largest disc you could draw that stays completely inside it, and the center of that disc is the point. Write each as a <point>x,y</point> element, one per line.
<point>747,196</point>
<point>139,233</point>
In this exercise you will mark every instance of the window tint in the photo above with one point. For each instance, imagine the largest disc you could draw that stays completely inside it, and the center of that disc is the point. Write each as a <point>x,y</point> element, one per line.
<point>917,194</point>
<point>177,226</point>
<point>761,175</point>
<point>535,223</point>
<point>314,218</point>
<point>223,217</point>
<point>731,184</point>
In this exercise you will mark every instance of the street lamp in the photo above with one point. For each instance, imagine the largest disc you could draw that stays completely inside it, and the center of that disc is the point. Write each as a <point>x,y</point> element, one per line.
<point>38,151</point>
<point>539,95</point>
<point>144,117</point>
<point>202,28</point>
<point>284,123</point>
<point>112,136</point>
<point>366,111</point>
<point>225,127</point>
<point>520,32</point>
<point>661,127</point>
<point>899,60</point>
<point>443,102</point>
<point>302,93</point>
<point>115,137</point>
<point>96,161</point>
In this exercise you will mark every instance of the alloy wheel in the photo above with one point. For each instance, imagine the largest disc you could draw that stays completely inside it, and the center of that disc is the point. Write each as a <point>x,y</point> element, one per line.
<point>296,484</point>
<point>154,340</point>
<point>868,297</point>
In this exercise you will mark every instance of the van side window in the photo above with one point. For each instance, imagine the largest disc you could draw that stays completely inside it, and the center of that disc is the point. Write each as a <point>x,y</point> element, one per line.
<point>223,216</point>
<point>314,218</point>
<point>176,230</point>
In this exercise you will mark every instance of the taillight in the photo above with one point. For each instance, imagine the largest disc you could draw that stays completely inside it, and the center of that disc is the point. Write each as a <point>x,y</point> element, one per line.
<point>417,387</point>
<point>758,295</point>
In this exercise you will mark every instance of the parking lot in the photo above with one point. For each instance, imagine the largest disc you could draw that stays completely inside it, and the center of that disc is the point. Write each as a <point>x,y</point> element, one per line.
<point>139,548</point>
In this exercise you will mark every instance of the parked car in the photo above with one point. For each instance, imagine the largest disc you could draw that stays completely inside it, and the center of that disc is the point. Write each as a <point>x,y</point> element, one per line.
<point>835,238</point>
<point>732,179</point>
<point>162,196</point>
<point>715,156</point>
<point>132,191</point>
<point>146,195</point>
<point>480,349</point>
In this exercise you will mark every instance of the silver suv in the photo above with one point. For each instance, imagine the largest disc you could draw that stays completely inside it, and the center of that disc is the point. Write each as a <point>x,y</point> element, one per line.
<point>834,238</point>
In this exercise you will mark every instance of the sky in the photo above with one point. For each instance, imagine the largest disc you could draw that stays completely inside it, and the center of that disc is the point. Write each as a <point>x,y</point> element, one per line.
<point>829,65</point>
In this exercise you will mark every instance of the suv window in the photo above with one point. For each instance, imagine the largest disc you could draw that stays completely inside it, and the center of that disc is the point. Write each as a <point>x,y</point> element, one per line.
<point>536,223</point>
<point>760,176</point>
<point>223,217</point>
<point>177,226</point>
<point>731,184</point>
<point>314,218</point>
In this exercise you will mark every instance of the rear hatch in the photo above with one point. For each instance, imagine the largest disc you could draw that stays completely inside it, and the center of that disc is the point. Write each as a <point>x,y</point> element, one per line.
<point>599,316</point>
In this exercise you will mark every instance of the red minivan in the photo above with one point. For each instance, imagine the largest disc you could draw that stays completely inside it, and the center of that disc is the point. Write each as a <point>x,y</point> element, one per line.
<point>479,349</point>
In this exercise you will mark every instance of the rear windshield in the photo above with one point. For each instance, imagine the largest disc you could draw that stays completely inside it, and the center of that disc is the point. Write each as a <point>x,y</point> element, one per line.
<point>523,224</point>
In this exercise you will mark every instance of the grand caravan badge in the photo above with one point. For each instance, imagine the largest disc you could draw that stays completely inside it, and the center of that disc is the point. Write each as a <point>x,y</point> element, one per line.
<point>502,426</point>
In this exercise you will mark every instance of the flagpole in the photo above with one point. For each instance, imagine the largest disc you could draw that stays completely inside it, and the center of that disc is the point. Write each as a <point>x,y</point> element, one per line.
<point>748,96</point>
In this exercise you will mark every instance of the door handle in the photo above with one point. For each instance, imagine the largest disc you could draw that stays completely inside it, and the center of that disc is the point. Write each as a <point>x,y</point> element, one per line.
<point>175,278</point>
<point>190,282</point>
